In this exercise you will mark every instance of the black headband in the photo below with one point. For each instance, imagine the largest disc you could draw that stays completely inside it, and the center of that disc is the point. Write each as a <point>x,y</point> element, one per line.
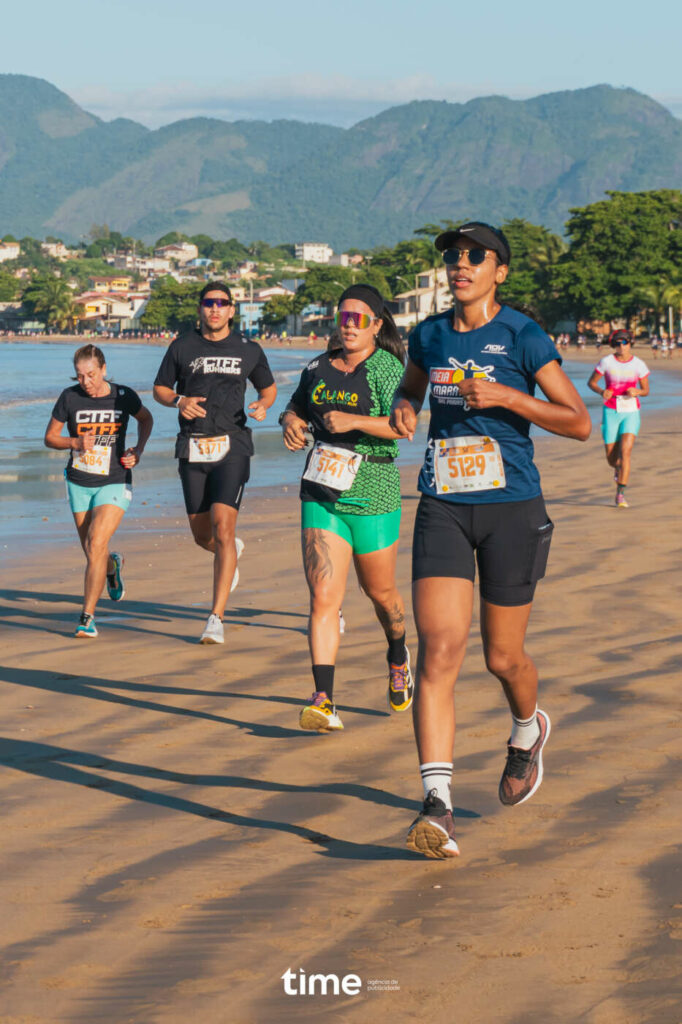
<point>367,294</point>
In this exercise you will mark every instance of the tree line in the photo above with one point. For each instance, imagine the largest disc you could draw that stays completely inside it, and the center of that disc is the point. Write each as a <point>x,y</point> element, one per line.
<point>620,260</point>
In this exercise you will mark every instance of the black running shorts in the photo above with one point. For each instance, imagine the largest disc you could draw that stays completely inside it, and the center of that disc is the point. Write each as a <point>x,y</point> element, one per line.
<point>209,483</point>
<point>509,541</point>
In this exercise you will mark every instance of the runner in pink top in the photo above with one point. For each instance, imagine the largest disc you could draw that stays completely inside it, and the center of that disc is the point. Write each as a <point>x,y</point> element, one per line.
<point>620,378</point>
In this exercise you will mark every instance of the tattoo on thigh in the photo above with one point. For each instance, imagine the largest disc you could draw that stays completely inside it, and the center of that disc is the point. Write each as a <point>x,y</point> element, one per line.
<point>316,558</point>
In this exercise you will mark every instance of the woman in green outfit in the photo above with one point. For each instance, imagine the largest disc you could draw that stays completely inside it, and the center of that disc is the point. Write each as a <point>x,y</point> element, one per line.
<point>350,490</point>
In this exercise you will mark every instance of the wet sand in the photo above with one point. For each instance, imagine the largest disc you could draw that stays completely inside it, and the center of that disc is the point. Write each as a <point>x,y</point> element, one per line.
<point>173,843</point>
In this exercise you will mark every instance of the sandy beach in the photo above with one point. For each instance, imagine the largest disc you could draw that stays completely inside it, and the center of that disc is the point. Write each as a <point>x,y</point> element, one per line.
<point>173,843</point>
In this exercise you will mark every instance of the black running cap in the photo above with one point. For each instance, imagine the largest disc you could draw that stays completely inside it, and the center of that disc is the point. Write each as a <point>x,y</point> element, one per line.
<point>476,231</point>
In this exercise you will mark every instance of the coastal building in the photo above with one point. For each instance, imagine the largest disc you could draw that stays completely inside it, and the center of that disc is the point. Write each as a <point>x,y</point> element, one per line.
<point>9,251</point>
<point>246,270</point>
<point>110,309</point>
<point>250,315</point>
<point>58,251</point>
<point>263,294</point>
<point>110,284</point>
<point>430,294</point>
<point>147,266</point>
<point>11,316</point>
<point>313,252</point>
<point>200,263</point>
<point>178,252</point>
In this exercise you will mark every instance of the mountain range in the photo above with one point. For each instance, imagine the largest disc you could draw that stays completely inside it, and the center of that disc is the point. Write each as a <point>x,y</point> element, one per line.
<point>63,170</point>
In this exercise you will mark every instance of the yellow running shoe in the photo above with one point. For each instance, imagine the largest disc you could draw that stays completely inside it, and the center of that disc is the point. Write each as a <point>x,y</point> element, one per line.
<point>320,715</point>
<point>400,685</point>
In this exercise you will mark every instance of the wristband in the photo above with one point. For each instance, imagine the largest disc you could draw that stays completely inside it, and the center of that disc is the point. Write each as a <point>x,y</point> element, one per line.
<point>176,400</point>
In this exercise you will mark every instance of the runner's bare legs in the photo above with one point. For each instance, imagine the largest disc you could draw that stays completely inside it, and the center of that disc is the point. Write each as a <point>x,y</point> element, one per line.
<point>214,531</point>
<point>95,530</point>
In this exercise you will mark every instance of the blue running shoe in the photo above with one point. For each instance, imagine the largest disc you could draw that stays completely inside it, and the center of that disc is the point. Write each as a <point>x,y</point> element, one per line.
<point>115,586</point>
<point>86,626</point>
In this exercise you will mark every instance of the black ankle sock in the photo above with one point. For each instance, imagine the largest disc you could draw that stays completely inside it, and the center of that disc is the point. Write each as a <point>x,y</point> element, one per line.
<point>397,654</point>
<point>324,679</point>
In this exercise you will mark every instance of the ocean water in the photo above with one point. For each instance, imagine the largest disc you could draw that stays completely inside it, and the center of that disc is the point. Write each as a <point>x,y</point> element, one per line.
<point>32,375</point>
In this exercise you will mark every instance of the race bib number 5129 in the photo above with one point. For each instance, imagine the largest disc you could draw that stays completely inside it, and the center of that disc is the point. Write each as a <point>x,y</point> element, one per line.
<point>466,464</point>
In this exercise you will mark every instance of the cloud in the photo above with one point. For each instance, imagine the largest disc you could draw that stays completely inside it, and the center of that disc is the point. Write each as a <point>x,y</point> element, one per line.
<point>333,99</point>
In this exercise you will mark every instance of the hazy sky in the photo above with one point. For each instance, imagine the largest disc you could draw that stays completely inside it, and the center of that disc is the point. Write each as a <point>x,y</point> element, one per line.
<point>160,60</point>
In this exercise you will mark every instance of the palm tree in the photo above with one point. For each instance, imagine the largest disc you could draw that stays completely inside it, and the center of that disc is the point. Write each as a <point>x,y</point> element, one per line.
<point>53,298</point>
<point>431,253</point>
<point>546,253</point>
<point>652,297</point>
<point>672,295</point>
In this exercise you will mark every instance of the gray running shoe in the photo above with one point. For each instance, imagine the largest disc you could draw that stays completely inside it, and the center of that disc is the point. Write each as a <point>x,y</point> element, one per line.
<point>433,831</point>
<point>522,773</point>
<point>213,634</point>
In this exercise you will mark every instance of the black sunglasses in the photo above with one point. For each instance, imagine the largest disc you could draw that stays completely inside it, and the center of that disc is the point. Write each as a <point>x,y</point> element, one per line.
<point>209,303</point>
<point>476,256</point>
<point>616,343</point>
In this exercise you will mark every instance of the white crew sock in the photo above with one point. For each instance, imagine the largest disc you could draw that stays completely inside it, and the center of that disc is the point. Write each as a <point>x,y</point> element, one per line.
<point>525,731</point>
<point>437,775</point>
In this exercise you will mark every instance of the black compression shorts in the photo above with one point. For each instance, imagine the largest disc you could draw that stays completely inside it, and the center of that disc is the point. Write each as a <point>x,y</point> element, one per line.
<point>509,541</point>
<point>209,483</point>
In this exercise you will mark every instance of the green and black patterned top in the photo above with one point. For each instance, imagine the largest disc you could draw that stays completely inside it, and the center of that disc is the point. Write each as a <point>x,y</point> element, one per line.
<point>367,390</point>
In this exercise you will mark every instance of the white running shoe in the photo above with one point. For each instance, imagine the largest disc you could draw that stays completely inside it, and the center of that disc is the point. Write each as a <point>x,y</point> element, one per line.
<point>213,634</point>
<point>342,622</point>
<point>239,544</point>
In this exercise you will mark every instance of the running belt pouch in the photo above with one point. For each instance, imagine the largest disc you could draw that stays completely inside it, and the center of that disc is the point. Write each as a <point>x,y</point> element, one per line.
<point>541,553</point>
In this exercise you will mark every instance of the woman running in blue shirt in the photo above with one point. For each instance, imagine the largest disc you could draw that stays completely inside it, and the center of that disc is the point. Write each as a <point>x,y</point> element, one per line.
<point>481,503</point>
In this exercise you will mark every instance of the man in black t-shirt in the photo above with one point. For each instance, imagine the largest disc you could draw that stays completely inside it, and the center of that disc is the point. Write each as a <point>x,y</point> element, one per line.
<point>204,375</point>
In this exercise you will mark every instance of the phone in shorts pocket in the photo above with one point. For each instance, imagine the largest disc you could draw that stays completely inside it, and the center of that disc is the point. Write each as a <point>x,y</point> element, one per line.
<point>543,540</point>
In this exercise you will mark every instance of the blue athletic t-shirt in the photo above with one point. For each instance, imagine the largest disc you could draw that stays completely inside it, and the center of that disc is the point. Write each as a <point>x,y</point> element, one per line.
<point>509,350</point>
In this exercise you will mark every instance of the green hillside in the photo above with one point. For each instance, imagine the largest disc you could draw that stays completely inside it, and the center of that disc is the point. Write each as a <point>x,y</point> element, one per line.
<point>62,169</point>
